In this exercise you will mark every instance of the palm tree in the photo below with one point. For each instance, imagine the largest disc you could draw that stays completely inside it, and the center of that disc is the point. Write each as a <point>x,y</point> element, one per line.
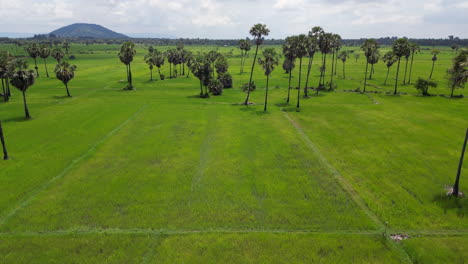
<point>335,46</point>
<point>44,53</point>
<point>5,152</point>
<point>23,79</point>
<point>343,56</point>
<point>290,55</point>
<point>57,54</point>
<point>370,47</point>
<point>312,48</point>
<point>407,56</point>
<point>338,45</point>
<point>434,52</point>
<point>65,72</point>
<point>7,67</point>
<point>389,59</point>
<point>414,49</point>
<point>258,31</point>
<point>400,48</point>
<point>268,63</point>
<point>33,51</point>
<point>66,46</point>
<point>374,59</point>
<point>150,60</point>
<point>325,47</point>
<point>159,62</point>
<point>455,191</point>
<point>126,54</point>
<point>458,73</point>
<point>300,50</point>
<point>244,46</point>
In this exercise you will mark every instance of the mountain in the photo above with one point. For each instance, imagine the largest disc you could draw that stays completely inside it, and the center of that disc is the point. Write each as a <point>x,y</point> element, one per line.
<point>82,30</point>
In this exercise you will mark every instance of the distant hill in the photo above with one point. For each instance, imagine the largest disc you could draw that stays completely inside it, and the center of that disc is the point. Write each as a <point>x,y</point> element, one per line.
<point>82,30</point>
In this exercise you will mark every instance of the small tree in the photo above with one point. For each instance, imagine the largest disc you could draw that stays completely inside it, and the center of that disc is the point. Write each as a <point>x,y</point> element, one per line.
<point>66,46</point>
<point>290,57</point>
<point>400,48</point>
<point>159,60</point>
<point>65,72</point>
<point>215,87</point>
<point>150,60</point>
<point>22,79</point>
<point>423,85</point>
<point>356,56</point>
<point>268,63</point>
<point>389,59</point>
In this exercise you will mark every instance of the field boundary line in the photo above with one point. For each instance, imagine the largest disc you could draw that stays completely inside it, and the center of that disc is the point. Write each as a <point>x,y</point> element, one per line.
<point>35,192</point>
<point>346,186</point>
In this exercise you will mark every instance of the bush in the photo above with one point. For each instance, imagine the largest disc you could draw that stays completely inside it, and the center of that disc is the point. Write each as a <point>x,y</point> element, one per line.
<point>162,77</point>
<point>215,87</point>
<point>226,80</point>
<point>245,87</point>
<point>72,57</point>
<point>423,85</point>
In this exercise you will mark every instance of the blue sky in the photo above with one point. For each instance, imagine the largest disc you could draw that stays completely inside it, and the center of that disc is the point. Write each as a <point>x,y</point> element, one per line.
<point>232,19</point>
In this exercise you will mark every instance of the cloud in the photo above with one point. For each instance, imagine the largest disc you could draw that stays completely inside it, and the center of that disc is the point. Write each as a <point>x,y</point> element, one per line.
<point>233,18</point>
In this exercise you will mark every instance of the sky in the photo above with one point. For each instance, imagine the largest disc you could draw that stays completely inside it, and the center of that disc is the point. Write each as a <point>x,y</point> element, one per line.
<point>228,19</point>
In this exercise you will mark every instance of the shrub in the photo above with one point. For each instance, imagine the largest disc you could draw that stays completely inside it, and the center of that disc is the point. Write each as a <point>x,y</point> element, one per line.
<point>215,87</point>
<point>72,57</point>
<point>423,85</point>
<point>162,76</point>
<point>226,80</point>
<point>245,87</point>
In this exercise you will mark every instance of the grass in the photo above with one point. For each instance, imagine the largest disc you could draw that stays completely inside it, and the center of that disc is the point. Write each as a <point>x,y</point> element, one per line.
<point>159,175</point>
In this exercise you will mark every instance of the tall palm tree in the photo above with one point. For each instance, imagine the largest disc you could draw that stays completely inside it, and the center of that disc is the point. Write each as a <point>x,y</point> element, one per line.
<point>65,72</point>
<point>414,49</point>
<point>312,48</point>
<point>126,54</point>
<point>57,54</point>
<point>343,56</point>
<point>66,46</point>
<point>290,55</point>
<point>407,56</point>
<point>335,46</point>
<point>325,47</point>
<point>370,47</point>
<point>389,59</point>
<point>434,52</point>
<point>268,63</point>
<point>7,67</point>
<point>300,50</point>
<point>258,31</point>
<point>159,62</point>
<point>44,53</point>
<point>374,59</point>
<point>458,73</point>
<point>400,48</point>
<point>244,46</point>
<point>150,60</point>
<point>22,79</point>
<point>33,51</point>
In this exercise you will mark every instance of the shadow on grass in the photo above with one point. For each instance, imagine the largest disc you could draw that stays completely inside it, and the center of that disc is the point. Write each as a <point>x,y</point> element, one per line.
<point>17,119</point>
<point>451,203</point>
<point>61,97</point>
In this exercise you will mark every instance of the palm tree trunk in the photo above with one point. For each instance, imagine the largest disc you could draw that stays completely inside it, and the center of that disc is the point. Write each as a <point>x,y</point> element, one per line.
<point>411,68</point>
<point>332,71</point>
<point>299,85</point>
<point>151,74</point>
<point>309,68</point>
<point>266,94</point>
<point>324,69</point>
<point>45,66</point>
<point>5,152</point>
<point>242,61</point>
<point>7,84</point>
<point>386,78</point>
<point>371,71</point>
<point>159,72</point>
<point>35,67</point>
<point>201,89</point>
<point>5,95</point>
<point>396,78</point>
<point>432,70</point>
<point>365,77</point>
<point>170,70</point>
<point>406,68</point>
<point>453,88</point>
<point>344,74</point>
<point>68,92</point>
<point>251,73</point>
<point>126,71</point>
<point>457,180</point>
<point>26,110</point>
<point>289,86</point>
<point>130,74</point>
<point>336,61</point>
<point>183,68</point>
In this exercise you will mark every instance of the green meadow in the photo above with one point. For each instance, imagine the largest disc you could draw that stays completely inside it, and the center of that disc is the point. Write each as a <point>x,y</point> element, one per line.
<point>159,175</point>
